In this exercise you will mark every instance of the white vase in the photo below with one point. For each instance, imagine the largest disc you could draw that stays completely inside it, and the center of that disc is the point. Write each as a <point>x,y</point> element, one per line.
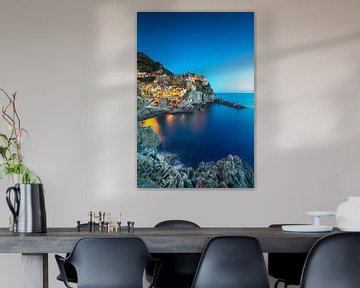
<point>348,214</point>
<point>14,179</point>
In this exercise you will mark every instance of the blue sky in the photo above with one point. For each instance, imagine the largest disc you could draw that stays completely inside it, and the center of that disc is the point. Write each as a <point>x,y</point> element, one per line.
<point>218,45</point>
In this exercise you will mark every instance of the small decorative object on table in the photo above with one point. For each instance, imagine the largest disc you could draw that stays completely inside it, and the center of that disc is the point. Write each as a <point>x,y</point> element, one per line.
<point>27,204</point>
<point>348,214</point>
<point>102,222</point>
<point>316,227</point>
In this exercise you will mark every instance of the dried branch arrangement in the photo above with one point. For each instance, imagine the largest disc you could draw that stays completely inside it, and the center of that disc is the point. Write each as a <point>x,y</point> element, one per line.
<point>11,158</point>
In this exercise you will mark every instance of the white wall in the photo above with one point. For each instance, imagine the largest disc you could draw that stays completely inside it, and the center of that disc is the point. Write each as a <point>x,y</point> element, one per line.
<point>73,65</point>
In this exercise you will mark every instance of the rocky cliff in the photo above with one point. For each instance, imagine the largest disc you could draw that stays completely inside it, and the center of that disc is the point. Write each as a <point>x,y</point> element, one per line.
<point>161,171</point>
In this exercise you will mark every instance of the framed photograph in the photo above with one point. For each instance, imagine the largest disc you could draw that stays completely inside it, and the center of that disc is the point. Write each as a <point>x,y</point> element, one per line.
<point>195,100</point>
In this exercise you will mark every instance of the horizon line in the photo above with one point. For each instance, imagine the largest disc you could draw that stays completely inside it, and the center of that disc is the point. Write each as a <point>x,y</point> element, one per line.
<point>235,92</point>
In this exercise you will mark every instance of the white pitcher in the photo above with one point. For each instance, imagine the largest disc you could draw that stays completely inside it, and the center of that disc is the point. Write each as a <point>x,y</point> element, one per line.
<point>348,214</point>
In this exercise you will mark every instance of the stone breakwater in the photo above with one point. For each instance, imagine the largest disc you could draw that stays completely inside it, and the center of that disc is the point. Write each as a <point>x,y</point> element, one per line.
<point>162,171</point>
<point>229,103</point>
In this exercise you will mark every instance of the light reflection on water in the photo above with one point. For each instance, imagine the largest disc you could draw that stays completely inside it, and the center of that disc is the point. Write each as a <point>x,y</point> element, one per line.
<point>153,123</point>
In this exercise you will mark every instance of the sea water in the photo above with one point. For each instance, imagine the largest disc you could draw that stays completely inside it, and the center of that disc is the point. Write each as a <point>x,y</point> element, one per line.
<point>210,133</point>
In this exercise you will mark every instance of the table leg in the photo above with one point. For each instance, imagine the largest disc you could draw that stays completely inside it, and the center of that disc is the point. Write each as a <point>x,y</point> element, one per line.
<point>35,270</point>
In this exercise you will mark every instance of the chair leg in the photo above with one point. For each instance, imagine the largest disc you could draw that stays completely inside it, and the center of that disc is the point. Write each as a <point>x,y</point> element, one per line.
<point>278,282</point>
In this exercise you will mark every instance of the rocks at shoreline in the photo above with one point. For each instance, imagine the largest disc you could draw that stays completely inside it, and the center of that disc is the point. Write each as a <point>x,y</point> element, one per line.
<point>230,172</point>
<point>162,171</point>
<point>146,138</point>
<point>186,107</point>
<point>155,169</point>
<point>145,114</point>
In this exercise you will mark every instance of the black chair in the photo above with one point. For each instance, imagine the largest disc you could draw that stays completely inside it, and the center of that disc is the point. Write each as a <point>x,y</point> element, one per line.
<point>333,262</point>
<point>286,267</point>
<point>232,262</point>
<point>69,269</point>
<point>178,269</point>
<point>108,263</point>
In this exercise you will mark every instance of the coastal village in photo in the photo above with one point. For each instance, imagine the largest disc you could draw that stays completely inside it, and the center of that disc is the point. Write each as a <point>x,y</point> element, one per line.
<point>160,91</point>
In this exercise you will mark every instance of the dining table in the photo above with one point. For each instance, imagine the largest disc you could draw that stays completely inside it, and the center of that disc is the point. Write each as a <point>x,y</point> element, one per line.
<point>35,247</point>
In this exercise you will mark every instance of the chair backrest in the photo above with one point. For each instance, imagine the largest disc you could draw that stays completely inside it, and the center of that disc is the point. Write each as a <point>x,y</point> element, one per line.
<point>333,262</point>
<point>232,262</point>
<point>286,267</point>
<point>178,269</point>
<point>176,224</point>
<point>110,262</point>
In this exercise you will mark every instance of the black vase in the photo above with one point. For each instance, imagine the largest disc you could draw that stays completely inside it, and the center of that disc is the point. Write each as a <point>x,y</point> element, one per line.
<point>28,208</point>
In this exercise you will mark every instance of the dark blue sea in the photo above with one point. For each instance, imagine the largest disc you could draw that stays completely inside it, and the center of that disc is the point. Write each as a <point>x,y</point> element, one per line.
<point>210,133</point>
